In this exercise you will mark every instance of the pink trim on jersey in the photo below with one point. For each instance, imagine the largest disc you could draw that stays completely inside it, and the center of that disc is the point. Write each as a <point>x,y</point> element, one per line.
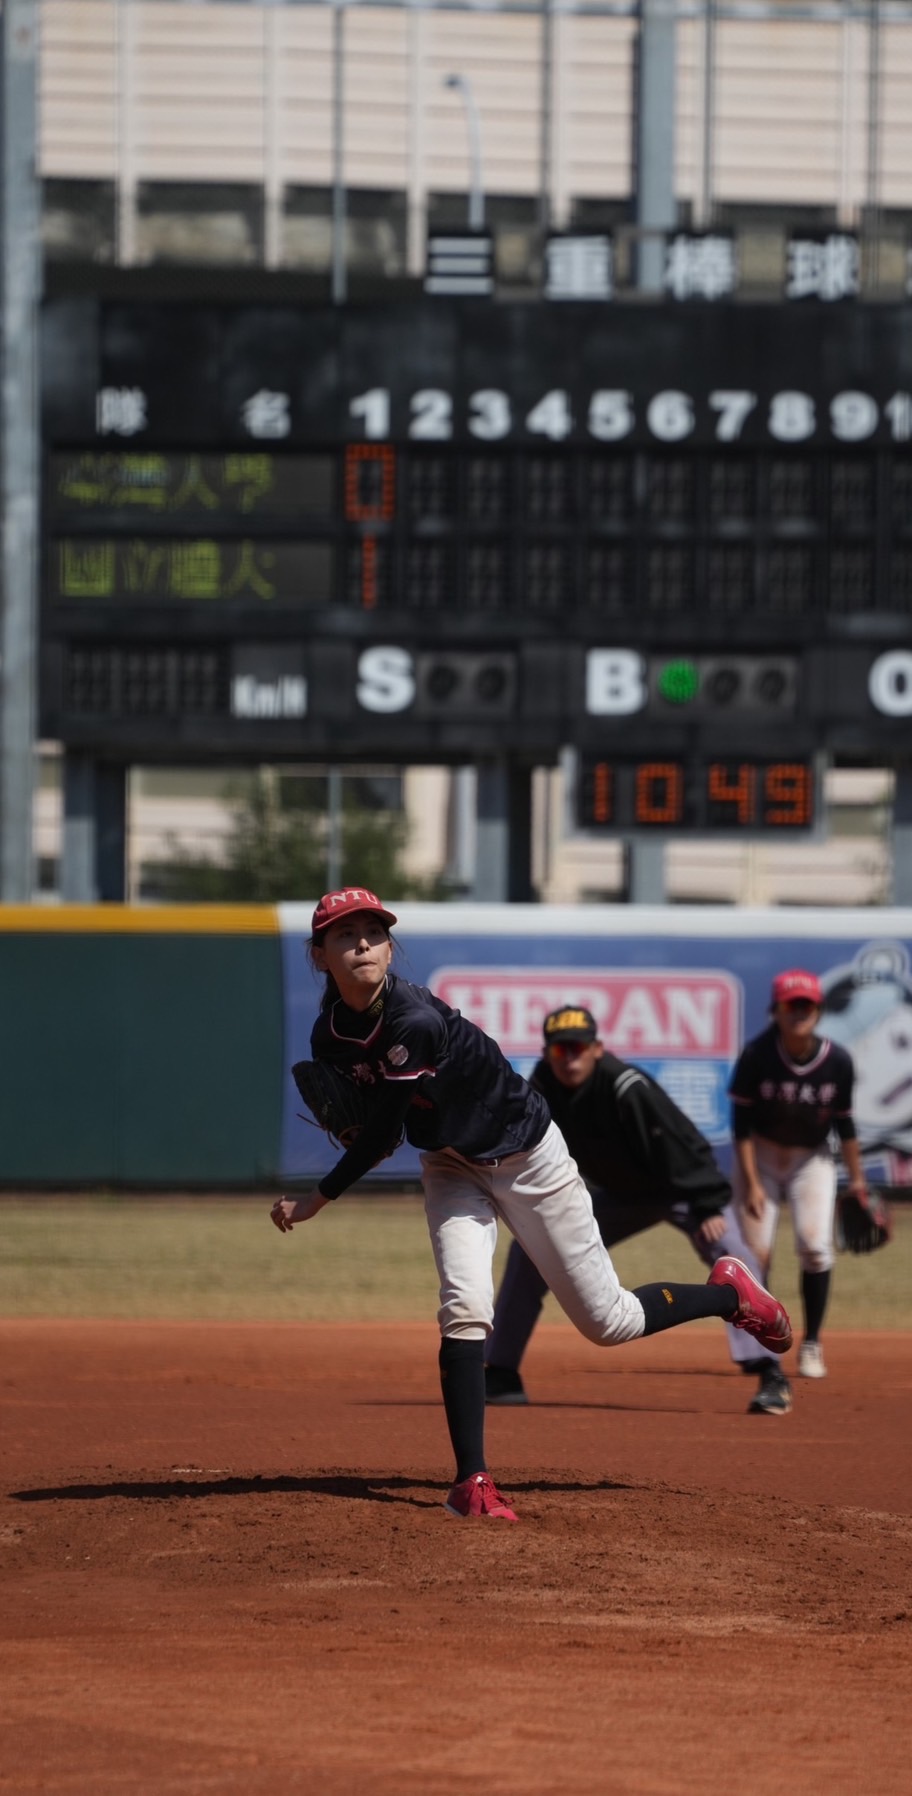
<point>424,1072</point>
<point>362,1041</point>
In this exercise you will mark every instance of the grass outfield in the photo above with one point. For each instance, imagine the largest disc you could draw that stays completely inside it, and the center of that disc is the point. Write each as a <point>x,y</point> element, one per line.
<point>366,1259</point>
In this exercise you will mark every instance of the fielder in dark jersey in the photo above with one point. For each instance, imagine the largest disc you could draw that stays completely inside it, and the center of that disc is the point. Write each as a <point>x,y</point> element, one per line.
<point>489,1151</point>
<point>791,1090</point>
<point>644,1162</point>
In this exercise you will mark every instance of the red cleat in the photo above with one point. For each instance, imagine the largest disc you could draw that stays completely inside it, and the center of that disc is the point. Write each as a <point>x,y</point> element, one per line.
<point>759,1312</point>
<point>478,1495</point>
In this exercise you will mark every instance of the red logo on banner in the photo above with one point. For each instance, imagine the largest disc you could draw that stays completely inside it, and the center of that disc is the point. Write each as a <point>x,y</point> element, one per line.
<point>640,1012</point>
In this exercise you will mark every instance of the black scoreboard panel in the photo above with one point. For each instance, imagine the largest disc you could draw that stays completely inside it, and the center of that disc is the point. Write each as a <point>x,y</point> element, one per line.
<point>441,530</point>
<point>486,376</point>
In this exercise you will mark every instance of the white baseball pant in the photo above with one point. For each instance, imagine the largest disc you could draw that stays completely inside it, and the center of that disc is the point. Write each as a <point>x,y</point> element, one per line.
<point>805,1180</point>
<point>546,1205</point>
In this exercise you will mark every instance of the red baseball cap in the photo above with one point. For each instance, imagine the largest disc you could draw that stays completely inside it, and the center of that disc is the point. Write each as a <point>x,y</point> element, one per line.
<point>796,984</point>
<point>334,905</point>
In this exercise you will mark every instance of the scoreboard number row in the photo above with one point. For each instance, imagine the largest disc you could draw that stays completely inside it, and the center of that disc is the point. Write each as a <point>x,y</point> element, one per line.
<point>670,416</point>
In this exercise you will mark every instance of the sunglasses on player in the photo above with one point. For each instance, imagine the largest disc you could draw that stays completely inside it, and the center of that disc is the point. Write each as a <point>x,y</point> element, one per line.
<point>800,1006</point>
<point>568,1050</point>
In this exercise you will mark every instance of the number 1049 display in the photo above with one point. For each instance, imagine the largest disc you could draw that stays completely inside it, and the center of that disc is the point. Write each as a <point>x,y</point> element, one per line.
<point>741,795</point>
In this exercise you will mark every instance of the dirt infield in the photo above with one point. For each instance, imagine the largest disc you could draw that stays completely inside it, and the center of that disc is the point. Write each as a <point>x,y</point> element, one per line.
<point>225,1567</point>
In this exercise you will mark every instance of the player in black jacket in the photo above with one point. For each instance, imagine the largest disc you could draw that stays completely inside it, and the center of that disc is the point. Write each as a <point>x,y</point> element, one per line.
<point>490,1152</point>
<point>791,1090</point>
<point>644,1162</point>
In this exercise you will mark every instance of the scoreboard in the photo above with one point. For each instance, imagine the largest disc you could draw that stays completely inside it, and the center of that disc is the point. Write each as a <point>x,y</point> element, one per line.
<point>675,539</point>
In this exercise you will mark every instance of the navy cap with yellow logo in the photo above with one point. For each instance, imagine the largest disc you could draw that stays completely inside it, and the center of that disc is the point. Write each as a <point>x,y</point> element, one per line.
<point>571,1023</point>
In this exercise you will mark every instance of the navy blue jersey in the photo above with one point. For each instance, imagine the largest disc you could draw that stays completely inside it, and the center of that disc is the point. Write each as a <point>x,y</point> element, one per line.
<point>437,1075</point>
<point>795,1103</point>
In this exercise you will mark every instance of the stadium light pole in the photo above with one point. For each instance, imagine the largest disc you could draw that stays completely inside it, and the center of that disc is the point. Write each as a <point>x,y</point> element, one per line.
<point>333,829</point>
<point>655,85</point>
<point>20,267</point>
<point>463,86</point>
<point>707,184</point>
<point>478,795</point>
<point>655,79</point>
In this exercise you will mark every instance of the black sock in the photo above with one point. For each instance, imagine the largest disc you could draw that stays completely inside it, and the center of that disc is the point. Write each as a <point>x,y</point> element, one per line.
<point>462,1382</point>
<point>667,1305</point>
<point>815,1290</point>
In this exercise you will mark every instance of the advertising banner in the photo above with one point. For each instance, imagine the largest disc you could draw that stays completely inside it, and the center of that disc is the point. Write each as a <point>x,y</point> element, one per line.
<point>676,990</point>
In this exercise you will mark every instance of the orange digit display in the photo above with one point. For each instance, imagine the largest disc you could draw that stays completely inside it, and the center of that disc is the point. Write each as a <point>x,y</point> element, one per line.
<point>740,796</point>
<point>370,483</point>
<point>602,793</point>
<point>658,793</point>
<point>731,785</point>
<point>788,795</point>
<point>369,573</point>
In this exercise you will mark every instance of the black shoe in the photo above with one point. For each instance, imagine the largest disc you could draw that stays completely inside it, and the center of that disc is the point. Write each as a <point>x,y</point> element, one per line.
<point>755,1368</point>
<point>774,1398</point>
<point>503,1385</point>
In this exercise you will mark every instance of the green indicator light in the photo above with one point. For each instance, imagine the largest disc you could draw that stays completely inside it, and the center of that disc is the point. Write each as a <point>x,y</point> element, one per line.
<point>679,682</point>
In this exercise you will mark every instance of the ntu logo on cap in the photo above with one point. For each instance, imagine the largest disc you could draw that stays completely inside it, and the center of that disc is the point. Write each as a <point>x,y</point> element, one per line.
<point>335,905</point>
<point>351,895</point>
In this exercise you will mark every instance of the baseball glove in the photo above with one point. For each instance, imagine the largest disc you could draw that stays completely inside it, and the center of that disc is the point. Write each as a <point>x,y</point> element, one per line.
<point>863,1221</point>
<point>339,1107</point>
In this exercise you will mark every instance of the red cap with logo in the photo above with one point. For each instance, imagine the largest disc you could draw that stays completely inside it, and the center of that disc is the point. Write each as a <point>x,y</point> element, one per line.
<point>334,905</point>
<point>796,984</point>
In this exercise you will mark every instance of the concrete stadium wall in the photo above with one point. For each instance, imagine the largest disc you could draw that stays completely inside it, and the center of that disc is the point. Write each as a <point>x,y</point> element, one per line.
<point>150,90</point>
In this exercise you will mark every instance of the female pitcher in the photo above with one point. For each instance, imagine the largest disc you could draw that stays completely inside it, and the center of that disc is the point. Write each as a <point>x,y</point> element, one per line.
<point>489,1151</point>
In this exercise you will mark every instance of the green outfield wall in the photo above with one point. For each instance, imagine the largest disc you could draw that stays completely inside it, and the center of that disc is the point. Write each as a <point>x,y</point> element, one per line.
<point>140,1047</point>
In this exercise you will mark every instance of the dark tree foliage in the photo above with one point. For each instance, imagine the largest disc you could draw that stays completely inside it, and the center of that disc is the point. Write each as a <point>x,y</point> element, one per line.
<point>277,852</point>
